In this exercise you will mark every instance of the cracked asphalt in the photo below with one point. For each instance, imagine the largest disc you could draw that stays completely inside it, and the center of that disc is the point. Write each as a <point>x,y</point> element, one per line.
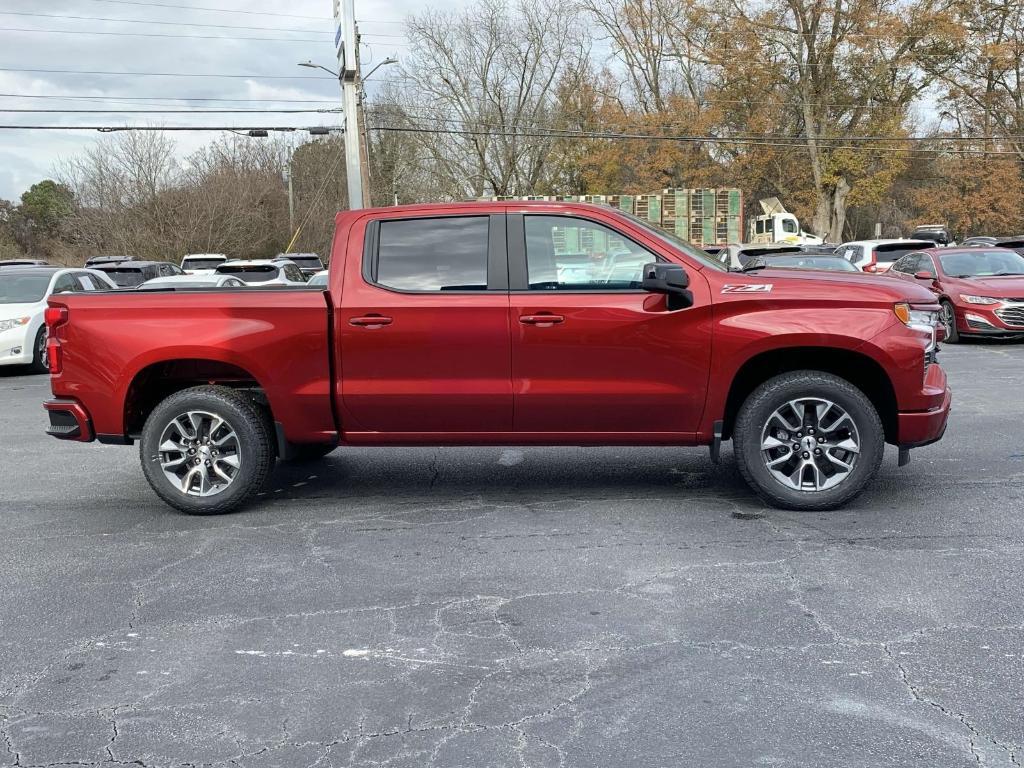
<point>506,607</point>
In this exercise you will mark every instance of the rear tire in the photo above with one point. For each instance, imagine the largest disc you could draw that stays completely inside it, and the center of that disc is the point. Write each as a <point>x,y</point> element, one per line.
<point>795,434</point>
<point>40,363</point>
<point>206,450</point>
<point>948,317</point>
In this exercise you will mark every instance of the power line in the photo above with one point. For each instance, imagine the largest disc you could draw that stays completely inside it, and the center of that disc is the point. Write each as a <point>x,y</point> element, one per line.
<point>179,36</point>
<point>788,142</point>
<point>193,111</point>
<point>160,74</point>
<point>778,141</point>
<point>130,99</point>
<point>148,22</point>
<point>214,10</point>
<point>201,128</point>
<point>156,34</point>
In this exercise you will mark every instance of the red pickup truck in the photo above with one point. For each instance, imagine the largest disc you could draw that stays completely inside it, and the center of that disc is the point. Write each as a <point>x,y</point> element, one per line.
<point>505,323</point>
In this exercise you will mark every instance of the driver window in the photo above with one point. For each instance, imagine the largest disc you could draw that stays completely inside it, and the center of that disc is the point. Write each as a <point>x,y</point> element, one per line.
<point>789,226</point>
<point>925,264</point>
<point>566,253</point>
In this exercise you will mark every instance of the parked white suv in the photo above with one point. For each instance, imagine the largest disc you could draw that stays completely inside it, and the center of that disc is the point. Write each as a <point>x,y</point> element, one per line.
<point>23,295</point>
<point>202,263</point>
<point>263,272</point>
<point>879,255</point>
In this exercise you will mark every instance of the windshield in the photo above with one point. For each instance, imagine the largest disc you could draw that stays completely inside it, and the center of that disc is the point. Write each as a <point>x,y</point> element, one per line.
<point>250,274</point>
<point>199,263</point>
<point>833,263</point>
<point>306,262</point>
<point>680,245</point>
<point>125,278</point>
<point>994,263</point>
<point>317,280</point>
<point>23,289</point>
<point>894,251</point>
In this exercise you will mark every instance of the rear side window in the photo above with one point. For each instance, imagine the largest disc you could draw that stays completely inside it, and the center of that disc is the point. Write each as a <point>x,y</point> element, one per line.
<point>436,254</point>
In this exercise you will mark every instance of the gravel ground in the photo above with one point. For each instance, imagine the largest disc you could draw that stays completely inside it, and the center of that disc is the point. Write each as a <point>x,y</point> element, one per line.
<point>535,607</point>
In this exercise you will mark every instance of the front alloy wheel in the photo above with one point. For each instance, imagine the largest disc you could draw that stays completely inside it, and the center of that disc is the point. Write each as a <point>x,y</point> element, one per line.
<point>810,444</point>
<point>808,440</point>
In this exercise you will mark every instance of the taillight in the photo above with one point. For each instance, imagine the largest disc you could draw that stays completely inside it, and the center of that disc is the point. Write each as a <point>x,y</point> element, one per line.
<point>54,317</point>
<point>54,355</point>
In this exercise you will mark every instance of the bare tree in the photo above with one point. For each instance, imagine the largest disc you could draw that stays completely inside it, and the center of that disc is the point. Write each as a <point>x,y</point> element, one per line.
<point>486,78</point>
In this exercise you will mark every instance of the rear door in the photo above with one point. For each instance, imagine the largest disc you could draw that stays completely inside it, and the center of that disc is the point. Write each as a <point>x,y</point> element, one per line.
<point>592,353</point>
<point>423,327</point>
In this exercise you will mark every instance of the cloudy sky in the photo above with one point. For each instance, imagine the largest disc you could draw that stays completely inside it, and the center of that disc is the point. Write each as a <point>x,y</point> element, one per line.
<point>193,44</point>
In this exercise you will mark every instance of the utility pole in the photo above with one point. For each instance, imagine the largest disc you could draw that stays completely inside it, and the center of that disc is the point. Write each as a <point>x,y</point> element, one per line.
<point>347,43</point>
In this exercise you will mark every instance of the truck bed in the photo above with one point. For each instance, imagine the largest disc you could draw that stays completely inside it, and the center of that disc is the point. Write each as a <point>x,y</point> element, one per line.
<point>116,347</point>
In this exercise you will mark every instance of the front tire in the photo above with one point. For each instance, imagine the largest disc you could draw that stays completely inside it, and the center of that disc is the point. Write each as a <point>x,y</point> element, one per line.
<point>206,450</point>
<point>948,318</point>
<point>808,440</point>
<point>40,362</point>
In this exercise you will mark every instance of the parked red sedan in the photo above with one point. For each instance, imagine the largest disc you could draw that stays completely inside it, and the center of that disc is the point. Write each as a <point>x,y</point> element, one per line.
<point>980,289</point>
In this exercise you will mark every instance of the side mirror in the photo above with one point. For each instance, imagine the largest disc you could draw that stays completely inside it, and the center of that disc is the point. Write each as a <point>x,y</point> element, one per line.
<point>872,268</point>
<point>669,279</point>
<point>922,275</point>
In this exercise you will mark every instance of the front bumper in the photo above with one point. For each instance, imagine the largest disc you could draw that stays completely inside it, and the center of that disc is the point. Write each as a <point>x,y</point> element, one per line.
<point>16,346</point>
<point>68,420</point>
<point>917,428</point>
<point>1006,319</point>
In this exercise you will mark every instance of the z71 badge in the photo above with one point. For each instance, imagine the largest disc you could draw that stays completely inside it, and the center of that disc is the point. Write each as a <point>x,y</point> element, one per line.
<point>747,288</point>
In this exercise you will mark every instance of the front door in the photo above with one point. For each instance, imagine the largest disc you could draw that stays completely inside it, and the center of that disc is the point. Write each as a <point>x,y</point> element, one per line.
<point>592,353</point>
<point>422,329</point>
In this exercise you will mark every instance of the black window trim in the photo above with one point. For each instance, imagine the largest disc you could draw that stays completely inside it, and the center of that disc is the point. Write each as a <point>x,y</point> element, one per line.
<point>497,254</point>
<point>518,276</point>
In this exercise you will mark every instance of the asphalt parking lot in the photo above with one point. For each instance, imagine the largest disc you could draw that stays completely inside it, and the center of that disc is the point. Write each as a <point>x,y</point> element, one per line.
<point>538,607</point>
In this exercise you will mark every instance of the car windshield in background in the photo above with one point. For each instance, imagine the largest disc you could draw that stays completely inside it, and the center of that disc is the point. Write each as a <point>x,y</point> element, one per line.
<point>894,251</point>
<point>23,289</point>
<point>306,262</point>
<point>251,274</point>
<point>125,278</point>
<point>317,280</point>
<point>831,263</point>
<point>201,263</point>
<point>978,263</point>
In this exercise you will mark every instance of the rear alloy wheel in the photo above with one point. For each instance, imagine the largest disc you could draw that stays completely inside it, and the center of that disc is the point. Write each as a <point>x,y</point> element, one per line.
<point>40,361</point>
<point>206,450</point>
<point>808,440</point>
<point>947,316</point>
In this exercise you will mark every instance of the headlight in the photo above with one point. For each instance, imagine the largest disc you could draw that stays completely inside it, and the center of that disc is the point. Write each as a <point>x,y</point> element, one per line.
<point>978,299</point>
<point>6,325</point>
<point>924,320</point>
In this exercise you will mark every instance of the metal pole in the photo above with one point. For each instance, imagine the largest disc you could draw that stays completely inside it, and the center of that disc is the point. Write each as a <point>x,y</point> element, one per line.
<point>291,199</point>
<point>348,75</point>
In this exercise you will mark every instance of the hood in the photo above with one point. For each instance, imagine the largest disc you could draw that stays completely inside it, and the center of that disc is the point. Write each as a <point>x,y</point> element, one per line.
<point>8,311</point>
<point>1008,287</point>
<point>835,285</point>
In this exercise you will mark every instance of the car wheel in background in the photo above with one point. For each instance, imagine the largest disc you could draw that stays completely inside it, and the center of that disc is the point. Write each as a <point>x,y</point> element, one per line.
<point>40,362</point>
<point>808,440</point>
<point>948,318</point>
<point>206,450</point>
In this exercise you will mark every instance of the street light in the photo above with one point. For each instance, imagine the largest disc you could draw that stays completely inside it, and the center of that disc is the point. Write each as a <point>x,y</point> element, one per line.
<point>388,60</point>
<point>311,65</point>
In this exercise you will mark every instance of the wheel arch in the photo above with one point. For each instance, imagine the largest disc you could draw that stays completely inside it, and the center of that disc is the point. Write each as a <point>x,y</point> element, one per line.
<point>159,380</point>
<point>855,367</point>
